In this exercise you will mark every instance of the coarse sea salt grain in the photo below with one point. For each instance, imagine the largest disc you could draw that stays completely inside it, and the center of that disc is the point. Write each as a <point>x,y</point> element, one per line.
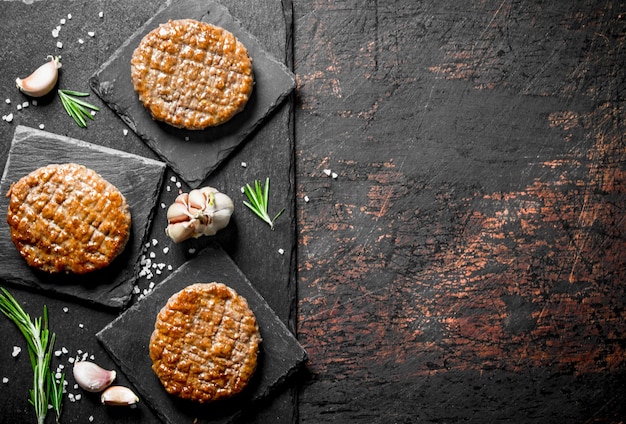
<point>91,34</point>
<point>42,126</point>
<point>66,309</point>
<point>59,45</point>
<point>327,172</point>
<point>125,132</point>
<point>306,199</point>
<point>16,351</point>
<point>5,380</point>
<point>281,251</point>
<point>7,101</point>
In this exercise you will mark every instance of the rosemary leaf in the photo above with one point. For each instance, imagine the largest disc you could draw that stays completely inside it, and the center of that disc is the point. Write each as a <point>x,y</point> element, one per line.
<point>259,201</point>
<point>40,343</point>
<point>76,108</point>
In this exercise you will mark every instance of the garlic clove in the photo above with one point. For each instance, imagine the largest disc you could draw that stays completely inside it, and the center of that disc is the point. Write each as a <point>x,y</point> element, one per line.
<point>42,80</point>
<point>92,377</point>
<point>119,396</point>
<point>202,211</point>
<point>180,231</point>
<point>177,212</point>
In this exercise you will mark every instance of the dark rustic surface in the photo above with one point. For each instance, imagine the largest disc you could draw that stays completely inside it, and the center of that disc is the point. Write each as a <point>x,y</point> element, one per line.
<point>27,33</point>
<point>468,262</point>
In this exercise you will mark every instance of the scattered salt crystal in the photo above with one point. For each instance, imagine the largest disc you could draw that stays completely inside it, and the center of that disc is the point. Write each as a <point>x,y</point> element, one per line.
<point>70,396</point>
<point>178,184</point>
<point>66,309</point>
<point>78,396</point>
<point>16,351</point>
<point>91,416</point>
<point>9,117</point>
<point>34,102</point>
<point>81,41</point>
<point>281,251</point>
<point>192,251</point>
<point>244,164</point>
<point>334,175</point>
<point>57,353</point>
<point>18,107</point>
<point>70,360</point>
<point>155,242</point>
<point>101,14</point>
<point>69,16</point>
<point>81,325</point>
<point>151,285</point>
<point>169,267</point>
<point>186,138</point>
<point>76,386</point>
<point>42,126</point>
<point>64,350</point>
<point>168,188</point>
<point>58,375</point>
<point>59,44</point>
<point>125,131</point>
<point>306,199</point>
<point>327,172</point>
<point>173,179</point>
<point>163,205</point>
<point>136,289</point>
<point>55,33</point>
<point>166,249</point>
<point>93,113</point>
<point>243,190</point>
<point>92,357</point>
<point>62,21</point>
<point>152,255</point>
<point>7,101</point>
<point>91,34</point>
<point>5,380</point>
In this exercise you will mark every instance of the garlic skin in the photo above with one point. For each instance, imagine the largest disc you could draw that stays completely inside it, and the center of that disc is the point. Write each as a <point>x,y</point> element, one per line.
<point>91,377</point>
<point>201,212</point>
<point>119,396</point>
<point>42,80</point>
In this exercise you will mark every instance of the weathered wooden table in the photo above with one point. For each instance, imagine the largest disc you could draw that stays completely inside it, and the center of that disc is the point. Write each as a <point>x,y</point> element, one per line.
<point>467,264</point>
<point>454,173</point>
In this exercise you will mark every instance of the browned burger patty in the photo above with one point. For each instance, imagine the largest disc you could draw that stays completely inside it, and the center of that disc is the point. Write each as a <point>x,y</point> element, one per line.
<point>205,343</point>
<point>67,218</point>
<point>192,74</point>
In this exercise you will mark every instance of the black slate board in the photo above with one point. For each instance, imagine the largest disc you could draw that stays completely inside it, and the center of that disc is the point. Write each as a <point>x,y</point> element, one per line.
<point>127,339</point>
<point>193,155</point>
<point>138,178</point>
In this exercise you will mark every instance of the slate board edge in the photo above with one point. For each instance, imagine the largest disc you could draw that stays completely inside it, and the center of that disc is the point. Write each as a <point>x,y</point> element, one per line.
<point>96,86</point>
<point>261,396</point>
<point>24,132</point>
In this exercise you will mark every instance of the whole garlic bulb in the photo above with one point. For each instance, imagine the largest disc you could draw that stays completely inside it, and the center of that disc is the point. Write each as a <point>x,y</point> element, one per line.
<point>201,212</point>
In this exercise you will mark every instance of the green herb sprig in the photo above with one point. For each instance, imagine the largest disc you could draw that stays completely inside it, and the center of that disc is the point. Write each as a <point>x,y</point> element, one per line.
<point>259,199</point>
<point>46,388</point>
<point>78,109</point>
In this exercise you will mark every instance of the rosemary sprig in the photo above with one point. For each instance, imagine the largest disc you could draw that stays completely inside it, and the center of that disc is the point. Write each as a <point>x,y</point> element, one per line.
<point>259,199</point>
<point>78,109</point>
<point>40,343</point>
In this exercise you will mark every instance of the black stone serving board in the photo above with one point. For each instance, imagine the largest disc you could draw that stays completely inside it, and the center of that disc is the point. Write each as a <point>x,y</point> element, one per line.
<point>127,339</point>
<point>193,155</point>
<point>138,178</point>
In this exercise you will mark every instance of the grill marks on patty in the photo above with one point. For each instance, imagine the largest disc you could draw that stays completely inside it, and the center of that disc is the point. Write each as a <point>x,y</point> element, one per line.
<point>67,218</point>
<point>192,74</point>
